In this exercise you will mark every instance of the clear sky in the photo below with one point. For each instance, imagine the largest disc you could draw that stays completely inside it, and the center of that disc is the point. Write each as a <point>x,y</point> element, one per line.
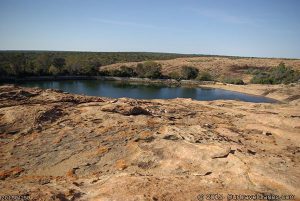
<point>267,28</point>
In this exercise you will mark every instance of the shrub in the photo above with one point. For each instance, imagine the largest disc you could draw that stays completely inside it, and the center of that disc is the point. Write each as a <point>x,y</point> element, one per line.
<point>262,78</point>
<point>104,73</point>
<point>279,75</point>
<point>174,75</point>
<point>204,76</point>
<point>188,72</point>
<point>140,70</point>
<point>124,71</point>
<point>127,71</point>
<point>114,72</point>
<point>149,69</point>
<point>231,80</point>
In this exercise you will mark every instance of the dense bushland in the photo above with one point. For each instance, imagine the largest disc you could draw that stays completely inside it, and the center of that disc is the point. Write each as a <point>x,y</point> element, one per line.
<point>279,75</point>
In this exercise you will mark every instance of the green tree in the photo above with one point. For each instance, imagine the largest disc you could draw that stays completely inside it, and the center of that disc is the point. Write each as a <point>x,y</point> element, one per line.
<point>74,68</point>
<point>149,69</point>
<point>92,67</point>
<point>126,71</point>
<point>43,62</point>
<point>18,64</point>
<point>204,76</point>
<point>59,62</point>
<point>140,70</point>
<point>188,72</point>
<point>53,70</point>
<point>5,69</point>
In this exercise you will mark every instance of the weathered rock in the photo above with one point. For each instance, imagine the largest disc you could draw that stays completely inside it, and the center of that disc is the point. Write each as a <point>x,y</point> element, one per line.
<point>171,137</point>
<point>13,172</point>
<point>68,147</point>
<point>50,115</point>
<point>222,154</point>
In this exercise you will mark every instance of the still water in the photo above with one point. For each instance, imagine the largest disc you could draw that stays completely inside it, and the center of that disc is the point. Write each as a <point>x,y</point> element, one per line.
<point>116,89</point>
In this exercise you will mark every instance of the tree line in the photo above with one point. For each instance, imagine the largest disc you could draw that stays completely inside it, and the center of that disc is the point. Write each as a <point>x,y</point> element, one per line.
<point>39,63</point>
<point>153,70</point>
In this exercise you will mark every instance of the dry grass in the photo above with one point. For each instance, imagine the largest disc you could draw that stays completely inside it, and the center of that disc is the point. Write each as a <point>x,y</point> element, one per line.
<point>217,66</point>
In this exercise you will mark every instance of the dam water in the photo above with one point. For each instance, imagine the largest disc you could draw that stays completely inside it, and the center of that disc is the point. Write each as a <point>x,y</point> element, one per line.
<point>116,89</point>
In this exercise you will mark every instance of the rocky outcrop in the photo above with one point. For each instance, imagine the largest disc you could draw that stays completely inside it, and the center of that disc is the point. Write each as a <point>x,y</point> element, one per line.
<point>59,146</point>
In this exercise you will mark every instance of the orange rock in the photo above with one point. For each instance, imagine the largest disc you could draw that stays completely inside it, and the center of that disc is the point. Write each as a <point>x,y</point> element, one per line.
<point>126,133</point>
<point>102,150</point>
<point>151,122</point>
<point>121,165</point>
<point>12,172</point>
<point>58,140</point>
<point>33,136</point>
<point>71,174</point>
<point>145,134</point>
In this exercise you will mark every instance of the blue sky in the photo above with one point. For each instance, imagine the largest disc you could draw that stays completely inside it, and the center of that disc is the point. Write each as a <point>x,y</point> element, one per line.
<point>266,28</point>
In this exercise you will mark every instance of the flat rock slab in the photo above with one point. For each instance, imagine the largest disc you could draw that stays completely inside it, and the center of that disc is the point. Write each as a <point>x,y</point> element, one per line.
<point>58,146</point>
